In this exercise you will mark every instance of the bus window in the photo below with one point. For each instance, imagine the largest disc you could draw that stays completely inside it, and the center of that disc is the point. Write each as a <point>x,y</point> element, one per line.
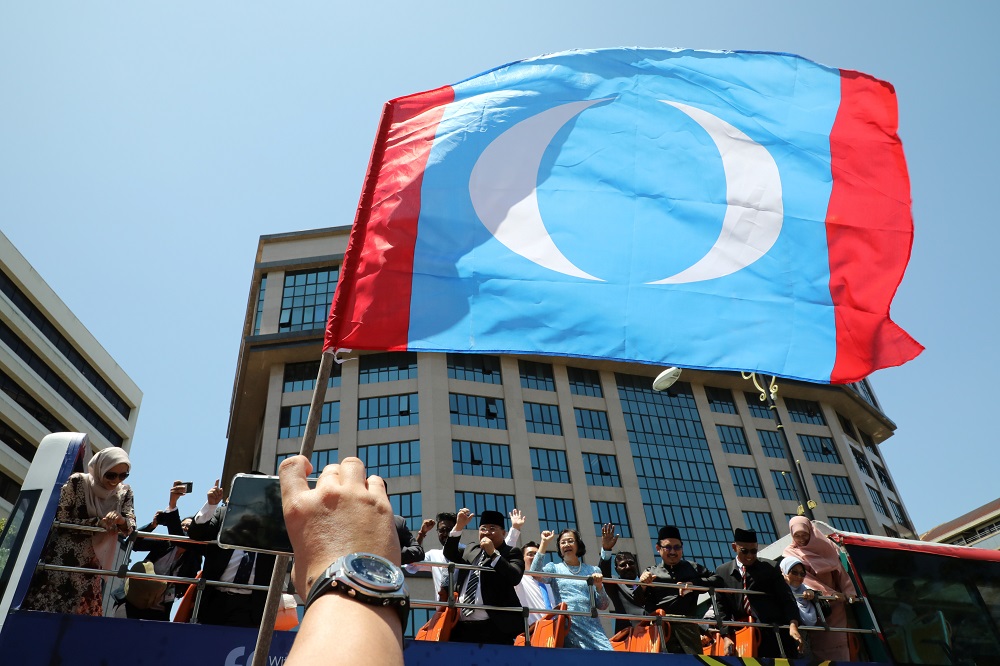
<point>13,535</point>
<point>932,609</point>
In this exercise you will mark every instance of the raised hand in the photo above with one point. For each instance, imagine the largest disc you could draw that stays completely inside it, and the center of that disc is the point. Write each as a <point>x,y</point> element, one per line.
<point>463,518</point>
<point>516,519</point>
<point>215,493</point>
<point>608,537</point>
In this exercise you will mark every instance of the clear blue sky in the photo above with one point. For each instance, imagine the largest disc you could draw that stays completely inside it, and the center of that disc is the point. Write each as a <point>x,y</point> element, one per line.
<point>144,148</point>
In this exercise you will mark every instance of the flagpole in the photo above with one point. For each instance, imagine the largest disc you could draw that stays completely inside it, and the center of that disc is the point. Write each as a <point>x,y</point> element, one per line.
<point>281,562</point>
<point>767,395</point>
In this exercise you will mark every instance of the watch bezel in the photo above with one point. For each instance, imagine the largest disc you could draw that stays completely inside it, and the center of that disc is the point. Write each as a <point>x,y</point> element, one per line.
<point>357,577</point>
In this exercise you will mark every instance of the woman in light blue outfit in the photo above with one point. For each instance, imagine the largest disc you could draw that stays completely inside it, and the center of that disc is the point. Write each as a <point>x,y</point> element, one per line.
<point>584,632</point>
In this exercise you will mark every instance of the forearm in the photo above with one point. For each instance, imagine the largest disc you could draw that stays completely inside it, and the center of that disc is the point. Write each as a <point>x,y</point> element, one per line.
<point>374,632</point>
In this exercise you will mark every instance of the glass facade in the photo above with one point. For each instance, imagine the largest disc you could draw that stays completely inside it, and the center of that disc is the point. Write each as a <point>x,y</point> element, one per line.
<point>536,376</point>
<point>387,367</point>
<point>388,411</point>
<point>859,525</point>
<point>819,449</point>
<point>260,304</point>
<point>549,465</point>
<point>883,478</point>
<point>292,420</point>
<point>771,444</point>
<point>302,376</point>
<point>479,502</point>
<point>862,460</point>
<point>758,407</point>
<point>610,512</point>
<point>592,424</point>
<point>306,298</point>
<point>746,481</point>
<point>835,489</point>
<point>556,514</point>
<point>585,382</point>
<point>477,411</point>
<point>784,484</point>
<point>677,478</point>
<point>393,459</point>
<point>319,460</point>
<point>479,459</point>
<point>733,439</point>
<point>408,506</point>
<point>720,400</point>
<point>601,470</point>
<point>805,411</point>
<point>480,368</point>
<point>762,523</point>
<point>877,500</point>
<point>899,514</point>
<point>847,426</point>
<point>542,419</point>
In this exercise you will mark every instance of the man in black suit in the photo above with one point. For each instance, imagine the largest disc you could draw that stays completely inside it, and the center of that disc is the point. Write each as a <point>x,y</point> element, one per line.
<point>168,558</point>
<point>626,568</point>
<point>409,550</point>
<point>229,606</point>
<point>775,606</point>
<point>504,567</point>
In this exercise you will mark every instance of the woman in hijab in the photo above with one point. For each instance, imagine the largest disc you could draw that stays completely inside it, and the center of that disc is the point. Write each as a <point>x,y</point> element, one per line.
<point>98,498</point>
<point>826,575</point>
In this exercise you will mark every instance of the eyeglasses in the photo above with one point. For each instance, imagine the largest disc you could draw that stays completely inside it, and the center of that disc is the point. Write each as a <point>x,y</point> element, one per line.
<point>564,542</point>
<point>111,476</point>
<point>797,572</point>
<point>748,551</point>
<point>490,528</point>
<point>671,547</point>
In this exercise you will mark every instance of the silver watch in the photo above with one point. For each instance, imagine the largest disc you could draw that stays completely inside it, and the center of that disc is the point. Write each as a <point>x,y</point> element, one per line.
<point>364,577</point>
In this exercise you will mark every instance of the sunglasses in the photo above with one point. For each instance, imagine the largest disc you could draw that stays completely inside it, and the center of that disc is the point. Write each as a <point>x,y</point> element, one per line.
<point>671,547</point>
<point>748,551</point>
<point>111,476</point>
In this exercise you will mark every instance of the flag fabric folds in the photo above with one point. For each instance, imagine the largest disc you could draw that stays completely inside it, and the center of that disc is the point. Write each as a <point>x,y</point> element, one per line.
<point>717,210</point>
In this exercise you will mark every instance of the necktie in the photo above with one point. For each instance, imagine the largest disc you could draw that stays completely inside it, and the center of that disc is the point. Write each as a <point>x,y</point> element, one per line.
<point>471,588</point>
<point>746,597</point>
<point>246,565</point>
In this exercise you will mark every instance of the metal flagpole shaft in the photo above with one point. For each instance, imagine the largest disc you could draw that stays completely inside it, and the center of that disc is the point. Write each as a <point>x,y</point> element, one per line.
<point>281,562</point>
<point>797,480</point>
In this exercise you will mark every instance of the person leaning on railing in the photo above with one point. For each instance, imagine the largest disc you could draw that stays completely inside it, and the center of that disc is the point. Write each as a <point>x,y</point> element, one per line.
<point>96,498</point>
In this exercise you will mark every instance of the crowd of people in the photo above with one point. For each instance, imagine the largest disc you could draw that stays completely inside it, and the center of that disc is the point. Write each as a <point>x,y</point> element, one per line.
<point>808,587</point>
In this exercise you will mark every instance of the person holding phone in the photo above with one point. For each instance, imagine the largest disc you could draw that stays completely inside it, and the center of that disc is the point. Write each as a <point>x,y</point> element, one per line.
<point>225,605</point>
<point>346,514</point>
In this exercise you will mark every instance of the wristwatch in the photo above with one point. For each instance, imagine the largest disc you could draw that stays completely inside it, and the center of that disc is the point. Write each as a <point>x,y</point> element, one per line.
<point>365,577</point>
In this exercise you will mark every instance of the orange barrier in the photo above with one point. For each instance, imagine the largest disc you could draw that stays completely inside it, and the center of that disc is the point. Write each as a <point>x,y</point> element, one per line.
<point>550,631</point>
<point>439,627</point>
<point>643,637</point>
<point>186,607</point>
<point>747,644</point>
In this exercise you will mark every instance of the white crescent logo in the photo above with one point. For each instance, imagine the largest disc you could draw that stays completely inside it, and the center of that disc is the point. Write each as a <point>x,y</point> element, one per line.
<point>502,188</point>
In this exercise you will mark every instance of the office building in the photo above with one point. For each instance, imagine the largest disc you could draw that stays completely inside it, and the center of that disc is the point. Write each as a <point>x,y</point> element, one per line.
<point>568,441</point>
<point>54,375</point>
<point>979,528</point>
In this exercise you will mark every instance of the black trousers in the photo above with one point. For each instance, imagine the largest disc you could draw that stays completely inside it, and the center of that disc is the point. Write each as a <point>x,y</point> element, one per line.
<point>229,610</point>
<point>483,631</point>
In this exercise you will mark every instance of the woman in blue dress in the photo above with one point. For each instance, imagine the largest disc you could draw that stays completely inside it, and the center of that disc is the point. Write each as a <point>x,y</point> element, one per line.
<point>584,632</point>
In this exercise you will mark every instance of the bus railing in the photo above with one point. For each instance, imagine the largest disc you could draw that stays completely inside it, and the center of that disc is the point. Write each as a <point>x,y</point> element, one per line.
<point>716,623</point>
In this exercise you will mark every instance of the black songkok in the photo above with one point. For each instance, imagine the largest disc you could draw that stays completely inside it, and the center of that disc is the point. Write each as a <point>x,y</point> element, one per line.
<point>490,517</point>
<point>744,536</point>
<point>669,532</point>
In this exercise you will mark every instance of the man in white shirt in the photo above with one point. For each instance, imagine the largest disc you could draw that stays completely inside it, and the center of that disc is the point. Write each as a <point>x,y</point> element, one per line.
<point>444,523</point>
<point>531,593</point>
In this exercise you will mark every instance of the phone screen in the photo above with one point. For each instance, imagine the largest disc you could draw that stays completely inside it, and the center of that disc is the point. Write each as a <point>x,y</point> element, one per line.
<point>253,518</point>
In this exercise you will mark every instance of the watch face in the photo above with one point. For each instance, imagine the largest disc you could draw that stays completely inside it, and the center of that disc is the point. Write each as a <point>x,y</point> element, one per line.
<point>374,572</point>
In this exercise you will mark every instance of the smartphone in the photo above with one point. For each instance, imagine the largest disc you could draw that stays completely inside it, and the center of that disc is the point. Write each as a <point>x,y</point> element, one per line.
<point>188,486</point>
<point>253,518</point>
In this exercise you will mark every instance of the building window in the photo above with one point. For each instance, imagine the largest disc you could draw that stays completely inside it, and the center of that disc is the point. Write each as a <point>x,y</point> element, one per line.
<point>784,484</point>
<point>319,460</point>
<point>804,411</point>
<point>601,470</point>
<point>610,512</point>
<point>292,420</point>
<point>17,442</point>
<point>585,382</point>
<point>859,525</point>
<point>869,444</point>
<point>758,408</point>
<point>592,424</point>
<point>877,500</point>
<point>306,299</point>
<point>762,523</point>
<point>862,461</point>
<point>391,460</point>
<point>477,411</point>
<point>62,343</point>
<point>408,506</point>
<point>302,376</point>
<point>746,481</point>
<point>388,411</point>
<point>883,478</point>
<point>260,304</point>
<point>479,502</point>
<point>9,488</point>
<point>835,489</point>
<point>556,514</point>
<point>673,463</point>
<point>30,405</point>
<point>480,459</point>
<point>387,367</point>
<point>847,426</point>
<point>864,389</point>
<point>536,376</point>
<point>897,512</point>
<point>474,368</point>
<point>720,400</point>
<point>542,419</point>
<point>733,439</point>
<point>549,465</point>
<point>819,449</point>
<point>889,532</point>
<point>771,444</point>
<point>41,368</point>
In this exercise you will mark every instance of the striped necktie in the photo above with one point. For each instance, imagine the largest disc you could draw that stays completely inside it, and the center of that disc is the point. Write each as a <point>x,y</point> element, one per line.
<point>472,588</point>
<point>746,597</point>
<point>246,566</point>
